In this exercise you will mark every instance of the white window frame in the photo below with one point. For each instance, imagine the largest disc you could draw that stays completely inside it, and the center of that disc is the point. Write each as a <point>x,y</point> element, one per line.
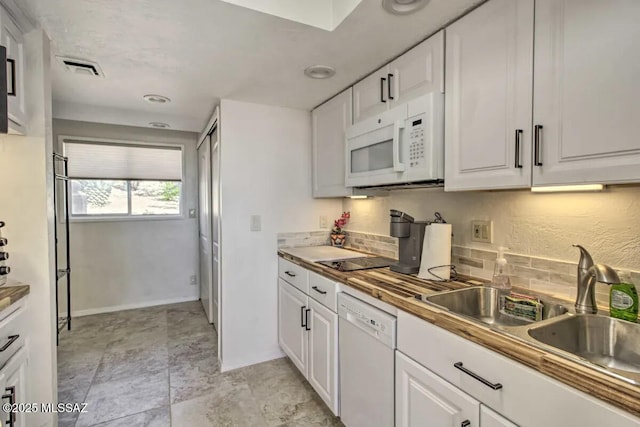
<point>128,217</point>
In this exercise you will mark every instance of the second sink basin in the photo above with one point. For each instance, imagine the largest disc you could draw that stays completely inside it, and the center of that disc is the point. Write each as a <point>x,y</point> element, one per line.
<point>605,341</point>
<point>483,304</point>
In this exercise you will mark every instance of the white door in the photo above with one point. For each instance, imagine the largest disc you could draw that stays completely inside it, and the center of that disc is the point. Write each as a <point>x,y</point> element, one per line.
<point>489,78</point>
<point>204,223</point>
<point>292,318</point>
<point>329,122</point>
<point>323,353</point>
<point>12,39</point>
<point>426,400</point>
<point>586,91</point>
<point>370,96</point>
<point>215,228</point>
<point>418,72</point>
<point>490,418</point>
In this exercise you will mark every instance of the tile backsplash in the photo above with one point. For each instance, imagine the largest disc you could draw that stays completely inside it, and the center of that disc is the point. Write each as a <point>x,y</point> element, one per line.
<point>373,243</point>
<point>538,274</point>
<point>303,238</point>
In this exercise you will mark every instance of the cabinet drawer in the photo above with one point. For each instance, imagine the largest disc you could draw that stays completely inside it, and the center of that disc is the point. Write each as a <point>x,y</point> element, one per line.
<point>556,404</point>
<point>294,274</point>
<point>324,291</point>
<point>12,331</point>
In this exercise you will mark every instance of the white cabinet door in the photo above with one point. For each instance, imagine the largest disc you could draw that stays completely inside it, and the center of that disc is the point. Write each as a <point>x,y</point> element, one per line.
<point>488,97</point>
<point>292,315</point>
<point>12,39</point>
<point>586,91</point>
<point>323,354</point>
<point>14,383</point>
<point>490,418</point>
<point>329,122</point>
<point>370,96</point>
<point>418,72</point>
<point>426,400</point>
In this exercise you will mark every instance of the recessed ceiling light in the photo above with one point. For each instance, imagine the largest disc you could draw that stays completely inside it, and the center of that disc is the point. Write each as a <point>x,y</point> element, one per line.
<point>403,7</point>
<point>159,125</point>
<point>156,99</point>
<point>319,72</point>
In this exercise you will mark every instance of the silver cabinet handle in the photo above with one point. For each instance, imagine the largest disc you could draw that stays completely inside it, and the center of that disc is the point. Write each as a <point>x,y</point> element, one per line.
<point>496,386</point>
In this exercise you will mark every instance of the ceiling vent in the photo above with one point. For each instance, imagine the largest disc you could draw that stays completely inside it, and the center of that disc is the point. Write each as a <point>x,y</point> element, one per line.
<point>81,66</point>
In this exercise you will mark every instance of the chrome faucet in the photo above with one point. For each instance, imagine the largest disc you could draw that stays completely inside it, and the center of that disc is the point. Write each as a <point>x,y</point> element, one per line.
<point>588,274</point>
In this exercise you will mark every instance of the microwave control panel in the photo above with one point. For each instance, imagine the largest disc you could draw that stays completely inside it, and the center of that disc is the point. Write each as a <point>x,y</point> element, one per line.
<point>416,143</point>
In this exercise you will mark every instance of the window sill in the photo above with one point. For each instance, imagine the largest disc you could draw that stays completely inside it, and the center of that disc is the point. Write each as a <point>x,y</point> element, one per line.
<point>107,218</point>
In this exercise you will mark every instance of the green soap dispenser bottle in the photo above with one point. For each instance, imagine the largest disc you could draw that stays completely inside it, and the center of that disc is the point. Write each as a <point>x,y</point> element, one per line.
<point>623,299</point>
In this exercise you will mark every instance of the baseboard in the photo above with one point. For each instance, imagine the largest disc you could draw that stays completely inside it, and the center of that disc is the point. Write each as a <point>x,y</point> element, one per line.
<point>100,310</point>
<point>241,363</point>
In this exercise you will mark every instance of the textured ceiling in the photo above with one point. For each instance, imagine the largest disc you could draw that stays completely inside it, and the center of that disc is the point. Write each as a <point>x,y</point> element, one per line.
<point>198,51</point>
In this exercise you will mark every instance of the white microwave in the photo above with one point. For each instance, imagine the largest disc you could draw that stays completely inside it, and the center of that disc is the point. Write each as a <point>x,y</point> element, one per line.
<point>402,145</point>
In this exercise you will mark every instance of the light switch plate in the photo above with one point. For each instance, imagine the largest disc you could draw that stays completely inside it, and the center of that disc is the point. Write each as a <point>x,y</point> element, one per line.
<point>256,223</point>
<point>323,221</point>
<point>481,231</point>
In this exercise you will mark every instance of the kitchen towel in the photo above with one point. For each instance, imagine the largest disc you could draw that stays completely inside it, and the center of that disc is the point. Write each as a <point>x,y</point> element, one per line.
<point>436,252</point>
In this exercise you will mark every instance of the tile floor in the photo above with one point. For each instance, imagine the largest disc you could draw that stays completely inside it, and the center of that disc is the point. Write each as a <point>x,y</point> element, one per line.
<point>158,367</point>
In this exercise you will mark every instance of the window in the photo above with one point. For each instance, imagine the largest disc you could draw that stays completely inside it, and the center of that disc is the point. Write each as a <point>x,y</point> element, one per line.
<point>117,179</point>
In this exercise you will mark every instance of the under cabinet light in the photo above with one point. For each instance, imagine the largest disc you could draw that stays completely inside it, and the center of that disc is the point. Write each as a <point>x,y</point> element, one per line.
<point>564,188</point>
<point>358,197</point>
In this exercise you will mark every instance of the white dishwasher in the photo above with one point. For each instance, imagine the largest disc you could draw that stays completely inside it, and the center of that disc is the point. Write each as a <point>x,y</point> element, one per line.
<point>367,340</point>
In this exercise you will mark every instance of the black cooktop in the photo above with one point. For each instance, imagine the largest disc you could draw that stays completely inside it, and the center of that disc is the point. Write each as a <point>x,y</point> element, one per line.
<point>359,263</point>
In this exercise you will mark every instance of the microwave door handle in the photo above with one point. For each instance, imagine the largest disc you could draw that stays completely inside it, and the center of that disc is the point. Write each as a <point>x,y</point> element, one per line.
<point>397,165</point>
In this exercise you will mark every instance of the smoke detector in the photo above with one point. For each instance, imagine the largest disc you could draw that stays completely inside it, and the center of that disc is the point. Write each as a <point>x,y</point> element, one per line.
<point>81,67</point>
<point>403,7</point>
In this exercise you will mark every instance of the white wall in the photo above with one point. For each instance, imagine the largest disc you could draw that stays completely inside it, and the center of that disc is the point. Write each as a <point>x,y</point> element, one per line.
<point>543,225</point>
<point>27,208</point>
<point>266,171</point>
<point>127,264</point>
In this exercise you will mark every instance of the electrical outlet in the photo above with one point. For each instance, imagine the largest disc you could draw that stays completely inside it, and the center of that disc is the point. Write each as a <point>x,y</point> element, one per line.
<point>193,280</point>
<point>323,221</point>
<point>482,231</point>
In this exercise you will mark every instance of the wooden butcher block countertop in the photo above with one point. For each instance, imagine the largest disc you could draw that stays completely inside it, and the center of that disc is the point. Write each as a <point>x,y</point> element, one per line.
<point>10,294</point>
<point>400,290</point>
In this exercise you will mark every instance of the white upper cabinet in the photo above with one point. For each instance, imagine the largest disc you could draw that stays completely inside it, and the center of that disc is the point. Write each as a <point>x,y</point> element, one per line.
<point>370,95</point>
<point>488,97</point>
<point>587,95</point>
<point>416,73</point>
<point>329,122</point>
<point>12,39</point>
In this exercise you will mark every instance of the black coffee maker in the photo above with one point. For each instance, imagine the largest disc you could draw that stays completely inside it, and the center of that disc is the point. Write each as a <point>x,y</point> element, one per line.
<point>410,234</point>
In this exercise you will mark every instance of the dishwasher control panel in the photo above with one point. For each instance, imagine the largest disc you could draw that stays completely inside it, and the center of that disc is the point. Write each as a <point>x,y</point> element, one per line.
<point>368,318</point>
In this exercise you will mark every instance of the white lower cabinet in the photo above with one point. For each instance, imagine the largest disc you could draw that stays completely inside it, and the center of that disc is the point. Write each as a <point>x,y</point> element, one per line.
<point>308,334</point>
<point>291,332</point>
<point>323,352</point>
<point>13,383</point>
<point>512,390</point>
<point>490,418</point>
<point>426,400</point>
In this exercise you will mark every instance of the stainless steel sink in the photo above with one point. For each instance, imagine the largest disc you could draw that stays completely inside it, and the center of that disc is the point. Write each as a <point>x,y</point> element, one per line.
<point>483,304</point>
<point>605,341</point>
